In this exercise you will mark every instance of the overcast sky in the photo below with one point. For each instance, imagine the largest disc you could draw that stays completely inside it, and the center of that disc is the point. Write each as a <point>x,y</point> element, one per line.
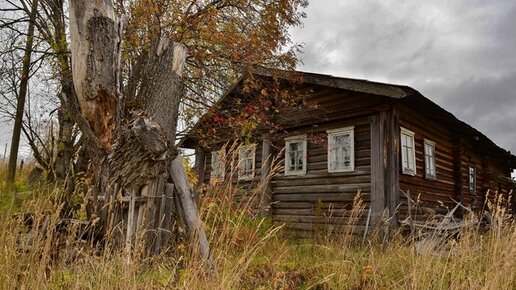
<point>461,54</point>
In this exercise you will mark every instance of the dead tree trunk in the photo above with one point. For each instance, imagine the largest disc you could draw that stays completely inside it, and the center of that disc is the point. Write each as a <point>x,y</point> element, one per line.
<point>134,163</point>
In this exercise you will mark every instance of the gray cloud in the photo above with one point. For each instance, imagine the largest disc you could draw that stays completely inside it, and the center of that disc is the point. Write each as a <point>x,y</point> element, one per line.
<point>459,53</point>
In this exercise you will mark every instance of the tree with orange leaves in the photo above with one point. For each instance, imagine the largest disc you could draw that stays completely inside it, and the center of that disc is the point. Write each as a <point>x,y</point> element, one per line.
<point>130,84</point>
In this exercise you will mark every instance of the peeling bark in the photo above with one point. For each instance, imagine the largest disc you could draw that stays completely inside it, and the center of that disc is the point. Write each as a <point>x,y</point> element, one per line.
<point>139,157</point>
<point>94,35</point>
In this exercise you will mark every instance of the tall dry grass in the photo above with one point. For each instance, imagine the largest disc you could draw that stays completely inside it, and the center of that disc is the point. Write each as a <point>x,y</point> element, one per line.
<point>249,252</point>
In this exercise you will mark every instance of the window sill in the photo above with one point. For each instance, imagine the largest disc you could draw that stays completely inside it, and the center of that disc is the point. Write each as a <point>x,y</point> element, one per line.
<point>295,173</point>
<point>341,171</point>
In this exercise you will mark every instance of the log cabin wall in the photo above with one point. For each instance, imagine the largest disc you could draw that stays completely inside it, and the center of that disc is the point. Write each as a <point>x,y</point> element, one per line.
<point>433,195</point>
<point>244,194</point>
<point>492,178</point>
<point>319,200</point>
<point>470,158</point>
<point>323,200</point>
<point>454,154</point>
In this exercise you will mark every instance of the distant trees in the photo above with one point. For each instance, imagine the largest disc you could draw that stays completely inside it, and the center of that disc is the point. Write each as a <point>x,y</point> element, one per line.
<point>162,65</point>
<point>223,38</point>
<point>22,95</point>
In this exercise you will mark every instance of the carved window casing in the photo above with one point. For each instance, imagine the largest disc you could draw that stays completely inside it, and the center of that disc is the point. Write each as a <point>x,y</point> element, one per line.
<point>295,155</point>
<point>246,161</point>
<point>408,152</point>
<point>341,150</point>
<point>430,171</point>
<point>218,168</point>
<point>472,173</point>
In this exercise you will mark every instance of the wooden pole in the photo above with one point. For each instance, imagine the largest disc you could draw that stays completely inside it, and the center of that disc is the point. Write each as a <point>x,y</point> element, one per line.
<point>200,165</point>
<point>392,165</point>
<point>188,210</point>
<point>378,191</point>
<point>265,195</point>
<point>130,227</point>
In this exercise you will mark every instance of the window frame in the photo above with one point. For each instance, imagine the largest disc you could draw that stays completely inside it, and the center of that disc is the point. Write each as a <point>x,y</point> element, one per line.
<point>429,143</point>
<point>472,187</point>
<point>411,134</point>
<point>241,149</point>
<point>221,167</point>
<point>288,141</point>
<point>341,132</point>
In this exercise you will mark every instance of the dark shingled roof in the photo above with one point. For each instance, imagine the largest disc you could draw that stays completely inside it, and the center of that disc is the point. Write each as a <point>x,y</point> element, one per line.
<point>405,94</point>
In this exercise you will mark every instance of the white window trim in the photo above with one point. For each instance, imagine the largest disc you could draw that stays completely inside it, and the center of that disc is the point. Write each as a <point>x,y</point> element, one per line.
<point>472,191</point>
<point>295,139</point>
<point>222,165</point>
<point>431,144</point>
<point>342,131</point>
<point>407,132</point>
<point>240,158</point>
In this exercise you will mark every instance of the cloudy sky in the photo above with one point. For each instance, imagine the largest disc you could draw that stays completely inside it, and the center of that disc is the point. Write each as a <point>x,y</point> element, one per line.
<point>459,53</point>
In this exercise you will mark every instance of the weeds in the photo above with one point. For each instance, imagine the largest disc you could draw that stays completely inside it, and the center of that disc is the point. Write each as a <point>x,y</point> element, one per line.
<point>251,252</point>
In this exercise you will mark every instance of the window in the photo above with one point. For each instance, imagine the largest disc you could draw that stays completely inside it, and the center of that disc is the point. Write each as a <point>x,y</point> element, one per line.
<point>295,155</point>
<point>246,156</point>
<point>430,160</point>
<point>408,152</point>
<point>472,180</point>
<point>218,168</point>
<point>341,150</point>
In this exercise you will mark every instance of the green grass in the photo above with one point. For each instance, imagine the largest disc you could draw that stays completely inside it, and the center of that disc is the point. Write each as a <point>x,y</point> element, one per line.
<point>11,198</point>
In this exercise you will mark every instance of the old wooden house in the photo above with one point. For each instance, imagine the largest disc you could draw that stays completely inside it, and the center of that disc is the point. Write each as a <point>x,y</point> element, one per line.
<point>386,141</point>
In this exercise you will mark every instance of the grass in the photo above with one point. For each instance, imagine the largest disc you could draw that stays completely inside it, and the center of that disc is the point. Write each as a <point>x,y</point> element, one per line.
<point>253,253</point>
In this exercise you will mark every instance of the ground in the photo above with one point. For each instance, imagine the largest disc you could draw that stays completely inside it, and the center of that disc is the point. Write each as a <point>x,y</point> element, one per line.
<point>253,253</point>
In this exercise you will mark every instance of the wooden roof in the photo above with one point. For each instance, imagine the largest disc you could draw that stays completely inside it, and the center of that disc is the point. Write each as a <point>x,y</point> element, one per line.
<point>404,94</point>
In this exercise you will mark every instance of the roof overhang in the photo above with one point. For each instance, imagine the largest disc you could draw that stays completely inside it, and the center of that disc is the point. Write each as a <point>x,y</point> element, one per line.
<point>403,93</point>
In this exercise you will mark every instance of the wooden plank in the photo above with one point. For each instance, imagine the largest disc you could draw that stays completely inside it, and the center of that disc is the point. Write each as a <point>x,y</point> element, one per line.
<point>265,194</point>
<point>187,209</point>
<point>321,204</point>
<point>312,211</point>
<point>170,212</point>
<point>320,180</point>
<point>200,168</point>
<point>329,220</point>
<point>391,162</point>
<point>377,168</point>
<point>359,170</point>
<point>160,228</point>
<point>130,226</point>
<point>324,227</point>
<point>325,197</point>
<point>352,188</point>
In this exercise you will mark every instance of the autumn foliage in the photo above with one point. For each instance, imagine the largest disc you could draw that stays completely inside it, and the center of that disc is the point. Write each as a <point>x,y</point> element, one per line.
<point>224,38</point>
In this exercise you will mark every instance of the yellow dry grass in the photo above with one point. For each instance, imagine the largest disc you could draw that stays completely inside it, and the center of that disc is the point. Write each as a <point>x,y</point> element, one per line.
<point>252,253</point>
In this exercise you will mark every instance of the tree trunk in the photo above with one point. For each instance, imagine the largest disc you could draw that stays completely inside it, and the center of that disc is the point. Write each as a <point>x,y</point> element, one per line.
<point>94,44</point>
<point>20,106</point>
<point>187,209</point>
<point>134,162</point>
